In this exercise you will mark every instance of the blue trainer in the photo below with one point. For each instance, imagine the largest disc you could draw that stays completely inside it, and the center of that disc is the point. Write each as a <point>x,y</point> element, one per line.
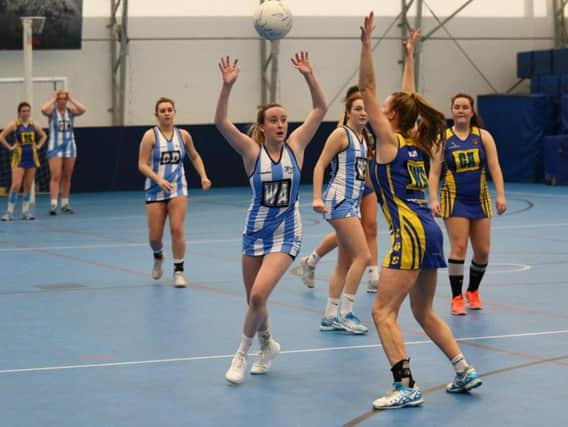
<point>399,397</point>
<point>464,381</point>
<point>328,324</point>
<point>351,324</point>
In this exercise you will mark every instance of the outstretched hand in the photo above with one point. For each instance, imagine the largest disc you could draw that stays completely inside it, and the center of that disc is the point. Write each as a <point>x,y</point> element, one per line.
<point>367,28</point>
<point>301,62</point>
<point>413,38</point>
<point>229,71</point>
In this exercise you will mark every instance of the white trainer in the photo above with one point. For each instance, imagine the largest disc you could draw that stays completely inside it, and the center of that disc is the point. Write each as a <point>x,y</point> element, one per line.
<point>157,268</point>
<point>308,272</point>
<point>262,363</point>
<point>236,373</point>
<point>179,280</point>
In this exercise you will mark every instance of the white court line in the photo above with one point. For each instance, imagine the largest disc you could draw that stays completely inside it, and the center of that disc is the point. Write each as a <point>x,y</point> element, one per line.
<point>519,268</point>
<point>239,239</point>
<point>229,356</point>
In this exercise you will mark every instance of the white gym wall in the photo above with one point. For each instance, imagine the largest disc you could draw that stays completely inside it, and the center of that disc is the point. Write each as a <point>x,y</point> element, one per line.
<point>186,69</point>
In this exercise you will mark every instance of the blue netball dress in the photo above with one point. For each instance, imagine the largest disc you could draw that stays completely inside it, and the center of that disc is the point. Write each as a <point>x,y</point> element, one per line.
<point>167,162</point>
<point>416,238</point>
<point>61,141</point>
<point>273,222</point>
<point>344,191</point>
<point>25,155</point>
<point>465,192</point>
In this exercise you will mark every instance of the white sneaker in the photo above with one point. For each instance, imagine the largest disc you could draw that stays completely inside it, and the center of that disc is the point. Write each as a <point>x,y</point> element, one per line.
<point>399,397</point>
<point>308,272</point>
<point>7,217</point>
<point>179,280</point>
<point>157,268</point>
<point>28,216</point>
<point>262,363</point>
<point>236,373</point>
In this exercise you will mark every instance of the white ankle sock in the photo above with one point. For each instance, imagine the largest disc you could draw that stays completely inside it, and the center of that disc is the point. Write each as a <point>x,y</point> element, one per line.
<point>460,364</point>
<point>246,342</point>
<point>347,301</point>
<point>332,307</point>
<point>313,259</point>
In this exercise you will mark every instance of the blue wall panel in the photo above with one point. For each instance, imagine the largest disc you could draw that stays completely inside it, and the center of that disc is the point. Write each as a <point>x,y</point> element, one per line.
<point>108,157</point>
<point>518,124</point>
<point>556,159</point>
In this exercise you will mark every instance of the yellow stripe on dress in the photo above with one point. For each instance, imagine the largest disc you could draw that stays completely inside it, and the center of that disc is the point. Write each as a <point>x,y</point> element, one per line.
<point>16,157</point>
<point>448,196</point>
<point>36,157</point>
<point>485,195</point>
<point>409,240</point>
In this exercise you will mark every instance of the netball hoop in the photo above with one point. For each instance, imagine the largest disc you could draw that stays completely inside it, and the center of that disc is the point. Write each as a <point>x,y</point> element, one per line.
<point>32,28</point>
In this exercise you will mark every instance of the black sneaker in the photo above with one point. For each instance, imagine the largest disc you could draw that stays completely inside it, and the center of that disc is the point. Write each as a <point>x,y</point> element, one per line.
<point>67,209</point>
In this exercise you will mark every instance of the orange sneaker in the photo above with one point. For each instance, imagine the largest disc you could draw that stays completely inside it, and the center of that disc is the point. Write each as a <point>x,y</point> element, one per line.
<point>473,300</point>
<point>458,306</point>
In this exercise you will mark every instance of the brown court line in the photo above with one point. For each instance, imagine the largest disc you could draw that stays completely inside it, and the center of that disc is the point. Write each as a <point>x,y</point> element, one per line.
<point>508,352</point>
<point>139,273</point>
<point>366,415</point>
<point>510,307</point>
<point>292,270</point>
<point>87,233</point>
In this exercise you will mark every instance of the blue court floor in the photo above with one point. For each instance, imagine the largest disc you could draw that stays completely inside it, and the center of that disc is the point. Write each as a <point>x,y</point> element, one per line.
<point>89,339</point>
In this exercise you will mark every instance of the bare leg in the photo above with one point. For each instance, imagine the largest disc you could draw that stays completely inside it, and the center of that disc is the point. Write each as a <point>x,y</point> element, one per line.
<point>395,286</point>
<point>55,167</point>
<point>66,174</point>
<point>177,208</point>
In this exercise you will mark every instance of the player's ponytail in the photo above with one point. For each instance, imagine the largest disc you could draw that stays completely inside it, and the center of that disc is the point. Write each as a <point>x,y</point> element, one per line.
<point>431,131</point>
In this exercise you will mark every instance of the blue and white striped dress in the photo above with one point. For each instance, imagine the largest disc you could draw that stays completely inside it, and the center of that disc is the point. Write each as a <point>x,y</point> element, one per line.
<point>167,162</point>
<point>344,191</point>
<point>273,222</point>
<point>61,141</point>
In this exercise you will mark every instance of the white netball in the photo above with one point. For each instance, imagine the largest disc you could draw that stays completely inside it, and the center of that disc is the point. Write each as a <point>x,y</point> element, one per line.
<point>273,20</point>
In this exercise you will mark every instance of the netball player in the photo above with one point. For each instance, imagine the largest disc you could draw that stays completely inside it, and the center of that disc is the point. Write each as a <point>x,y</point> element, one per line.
<point>61,111</point>
<point>346,151</point>
<point>410,267</point>
<point>160,159</point>
<point>368,209</point>
<point>465,202</point>
<point>272,235</point>
<point>25,158</point>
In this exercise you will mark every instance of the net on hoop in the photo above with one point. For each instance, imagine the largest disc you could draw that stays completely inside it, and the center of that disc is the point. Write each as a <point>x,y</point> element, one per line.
<point>37,24</point>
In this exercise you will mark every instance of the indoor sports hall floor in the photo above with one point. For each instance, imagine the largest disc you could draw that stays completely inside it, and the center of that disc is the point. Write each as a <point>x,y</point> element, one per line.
<point>89,339</point>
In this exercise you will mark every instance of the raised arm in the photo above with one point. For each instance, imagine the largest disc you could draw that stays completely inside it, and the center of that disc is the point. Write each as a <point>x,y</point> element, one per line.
<point>436,162</point>
<point>335,143</point>
<point>408,78</point>
<point>10,127</point>
<point>49,106</point>
<point>195,159</point>
<point>387,145</point>
<point>302,136</point>
<point>494,170</point>
<point>144,158</point>
<point>42,135</point>
<point>76,107</point>
<point>241,143</point>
